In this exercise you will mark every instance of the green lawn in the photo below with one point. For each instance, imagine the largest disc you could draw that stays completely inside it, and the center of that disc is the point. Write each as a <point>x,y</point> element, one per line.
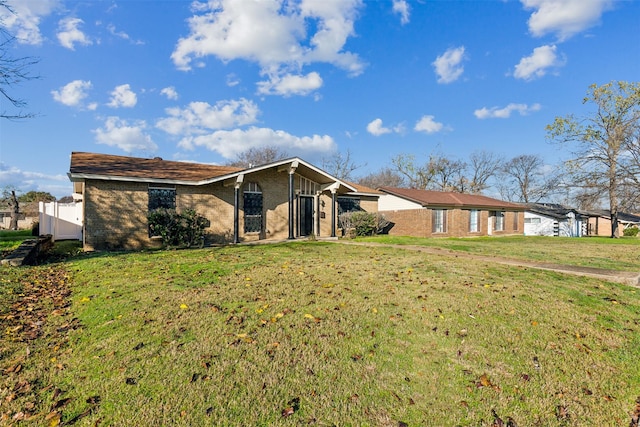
<point>599,252</point>
<point>314,333</point>
<point>11,239</point>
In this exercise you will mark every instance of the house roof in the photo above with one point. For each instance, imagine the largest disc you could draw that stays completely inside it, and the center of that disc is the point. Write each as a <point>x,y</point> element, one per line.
<point>550,210</point>
<point>123,168</point>
<point>449,199</point>
<point>363,189</point>
<point>106,165</point>
<point>622,216</point>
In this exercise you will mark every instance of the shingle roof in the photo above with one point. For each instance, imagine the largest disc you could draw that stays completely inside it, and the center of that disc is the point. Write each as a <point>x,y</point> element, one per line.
<point>364,189</point>
<point>106,165</point>
<point>440,198</point>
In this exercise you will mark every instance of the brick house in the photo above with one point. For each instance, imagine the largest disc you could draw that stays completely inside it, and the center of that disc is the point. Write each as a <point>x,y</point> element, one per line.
<point>423,213</point>
<point>285,199</point>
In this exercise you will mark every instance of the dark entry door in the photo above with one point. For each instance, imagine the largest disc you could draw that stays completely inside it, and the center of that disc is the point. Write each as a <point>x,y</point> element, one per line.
<point>306,216</point>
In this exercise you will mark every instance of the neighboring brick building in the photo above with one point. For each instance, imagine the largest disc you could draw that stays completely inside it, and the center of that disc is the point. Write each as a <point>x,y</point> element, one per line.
<point>284,199</point>
<point>422,213</point>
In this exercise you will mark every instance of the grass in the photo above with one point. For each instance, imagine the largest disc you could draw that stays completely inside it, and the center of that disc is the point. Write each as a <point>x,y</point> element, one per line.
<point>600,252</point>
<point>315,333</point>
<point>11,239</point>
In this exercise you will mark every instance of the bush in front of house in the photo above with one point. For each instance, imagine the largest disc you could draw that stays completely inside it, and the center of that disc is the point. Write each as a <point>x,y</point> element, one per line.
<point>630,231</point>
<point>362,223</point>
<point>184,229</point>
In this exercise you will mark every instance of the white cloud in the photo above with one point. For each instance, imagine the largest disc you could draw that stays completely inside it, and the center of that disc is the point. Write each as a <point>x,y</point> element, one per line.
<point>126,136</point>
<point>232,80</point>
<point>25,181</point>
<point>537,64</point>
<point>427,124</point>
<point>170,93</point>
<point>290,84</point>
<point>201,117</point>
<point>401,7</point>
<point>230,143</point>
<point>121,34</point>
<point>448,66</point>
<point>69,33</point>
<point>505,112</point>
<point>282,37</point>
<point>123,96</point>
<point>24,23</point>
<point>73,94</point>
<point>565,18</point>
<point>375,128</point>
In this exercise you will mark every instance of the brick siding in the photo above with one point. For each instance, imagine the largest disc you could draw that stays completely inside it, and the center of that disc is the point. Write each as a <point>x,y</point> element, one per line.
<point>116,211</point>
<point>418,223</point>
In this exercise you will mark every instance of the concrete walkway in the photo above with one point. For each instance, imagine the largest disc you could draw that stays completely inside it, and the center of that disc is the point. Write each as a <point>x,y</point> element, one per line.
<point>626,277</point>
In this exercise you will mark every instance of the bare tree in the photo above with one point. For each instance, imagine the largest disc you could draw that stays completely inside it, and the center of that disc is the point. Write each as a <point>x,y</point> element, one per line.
<point>420,177</point>
<point>341,165</point>
<point>386,177</point>
<point>603,141</point>
<point>525,179</point>
<point>449,175</point>
<point>258,156</point>
<point>13,71</point>
<point>483,166</point>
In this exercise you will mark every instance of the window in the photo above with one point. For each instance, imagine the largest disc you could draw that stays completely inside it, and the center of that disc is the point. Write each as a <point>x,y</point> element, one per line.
<point>252,208</point>
<point>162,197</point>
<point>474,220</point>
<point>532,220</point>
<point>348,204</point>
<point>499,221</point>
<point>515,221</point>
<point>439,221</point>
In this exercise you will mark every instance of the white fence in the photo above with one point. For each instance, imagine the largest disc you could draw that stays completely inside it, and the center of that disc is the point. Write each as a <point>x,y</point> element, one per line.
<point>62,220</point>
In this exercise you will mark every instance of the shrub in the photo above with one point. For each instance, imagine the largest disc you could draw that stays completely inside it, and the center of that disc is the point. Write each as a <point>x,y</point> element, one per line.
<point>35,229</point>
<point>184,229</point>
<point>362,223</point>
<point>630,231</point>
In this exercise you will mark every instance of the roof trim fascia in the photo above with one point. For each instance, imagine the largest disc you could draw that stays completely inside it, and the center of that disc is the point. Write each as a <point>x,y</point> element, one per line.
<point>80,176</point>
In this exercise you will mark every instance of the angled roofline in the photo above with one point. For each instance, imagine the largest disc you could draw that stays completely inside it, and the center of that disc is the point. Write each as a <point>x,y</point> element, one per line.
<point>457,202</point>
<point>74,177</point>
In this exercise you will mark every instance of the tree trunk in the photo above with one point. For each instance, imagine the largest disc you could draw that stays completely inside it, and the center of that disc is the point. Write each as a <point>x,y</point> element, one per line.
<point>613,200</point>
<point>15,211</point>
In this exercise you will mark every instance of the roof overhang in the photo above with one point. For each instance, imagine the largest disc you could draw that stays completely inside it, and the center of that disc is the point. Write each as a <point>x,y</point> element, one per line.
<point>292,165</point>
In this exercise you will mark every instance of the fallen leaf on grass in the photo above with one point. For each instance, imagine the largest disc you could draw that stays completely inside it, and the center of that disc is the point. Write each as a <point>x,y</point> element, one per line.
<point>635,417</point>
<point>562,413</point>
<point>293,406</point>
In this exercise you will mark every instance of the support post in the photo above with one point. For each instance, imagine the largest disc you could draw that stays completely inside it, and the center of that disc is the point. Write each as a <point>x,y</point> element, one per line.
<point>291,206</point>
<point>333,213</point>
<point>236,214</point>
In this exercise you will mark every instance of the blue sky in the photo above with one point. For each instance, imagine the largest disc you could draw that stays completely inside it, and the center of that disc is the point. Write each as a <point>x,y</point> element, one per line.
<point>204,81</point>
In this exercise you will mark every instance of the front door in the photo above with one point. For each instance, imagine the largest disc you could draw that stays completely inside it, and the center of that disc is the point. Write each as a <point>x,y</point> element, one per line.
<point>306,216</point>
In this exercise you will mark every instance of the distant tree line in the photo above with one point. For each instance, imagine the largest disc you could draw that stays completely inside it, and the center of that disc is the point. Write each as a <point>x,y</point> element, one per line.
<point>603,171</point>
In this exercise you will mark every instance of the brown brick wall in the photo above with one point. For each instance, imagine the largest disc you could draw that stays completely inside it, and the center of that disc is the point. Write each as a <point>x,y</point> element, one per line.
<point>116,212</point>
<point>418,223</point>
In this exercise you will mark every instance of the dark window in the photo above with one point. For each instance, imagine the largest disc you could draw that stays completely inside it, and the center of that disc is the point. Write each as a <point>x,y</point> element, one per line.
<point>162,198</point>
<point>348,204</point>
<point>252,209</point>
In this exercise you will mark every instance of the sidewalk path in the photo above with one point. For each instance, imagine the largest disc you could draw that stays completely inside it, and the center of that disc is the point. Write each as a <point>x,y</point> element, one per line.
<point>627,277</point>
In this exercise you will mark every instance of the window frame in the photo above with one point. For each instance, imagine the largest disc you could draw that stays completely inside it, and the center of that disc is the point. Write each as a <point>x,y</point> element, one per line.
<point>499,221</point>
<point>438,221</point>
<point>252,220</point>
<point>474,213</point>
<point>156,202</point>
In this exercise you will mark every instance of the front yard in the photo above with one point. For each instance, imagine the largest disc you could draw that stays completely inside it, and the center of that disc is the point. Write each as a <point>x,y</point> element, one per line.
<point>320,334</point>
